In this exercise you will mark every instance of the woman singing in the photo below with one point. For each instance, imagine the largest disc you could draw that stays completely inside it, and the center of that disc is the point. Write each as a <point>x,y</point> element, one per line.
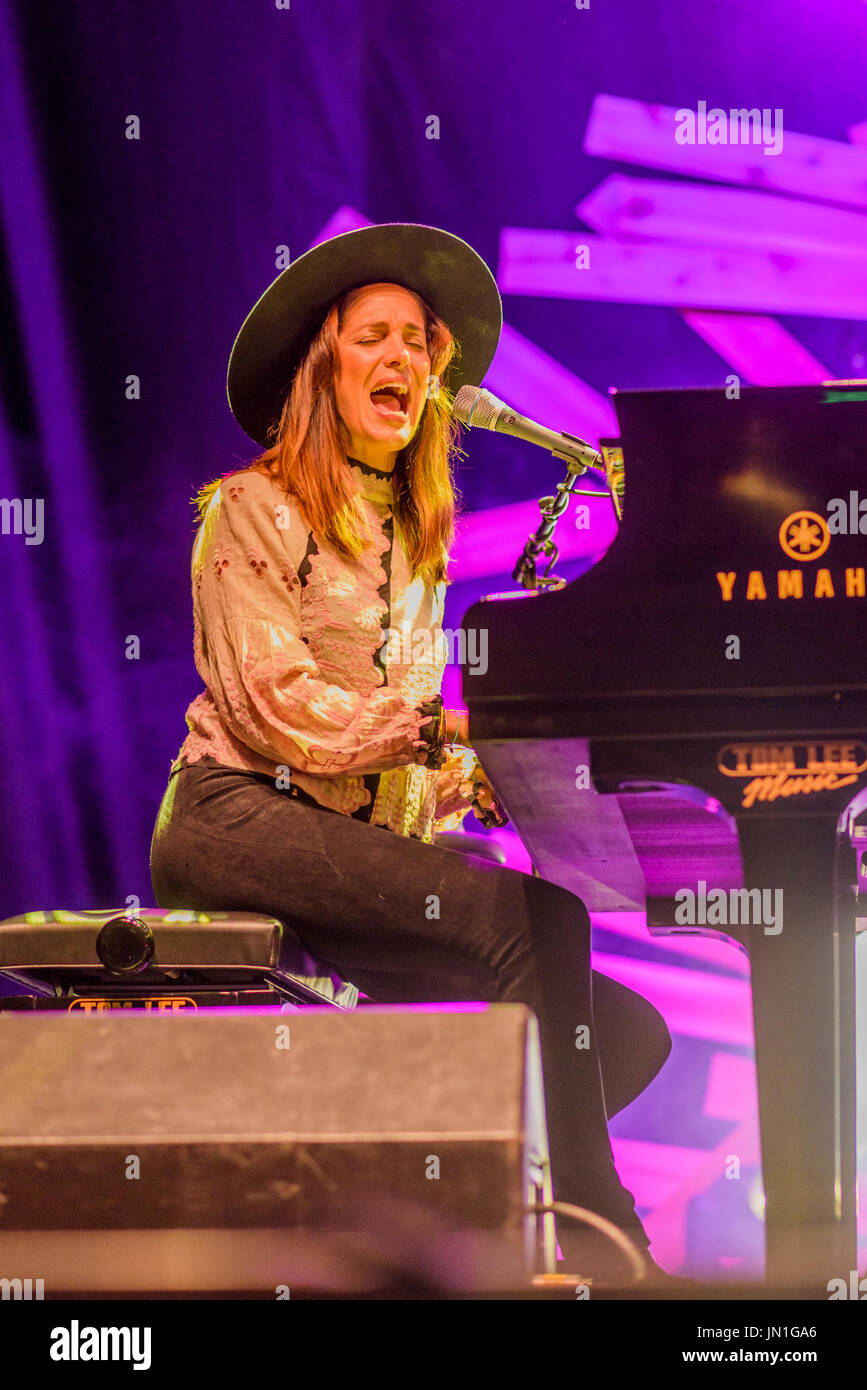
<point>320,762</point>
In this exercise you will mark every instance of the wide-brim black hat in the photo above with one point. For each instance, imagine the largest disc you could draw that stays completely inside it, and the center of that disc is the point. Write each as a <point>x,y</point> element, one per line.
<point>448,274</point>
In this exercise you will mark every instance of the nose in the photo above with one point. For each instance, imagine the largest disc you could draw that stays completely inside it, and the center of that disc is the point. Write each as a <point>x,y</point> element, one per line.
<point>397,352</point>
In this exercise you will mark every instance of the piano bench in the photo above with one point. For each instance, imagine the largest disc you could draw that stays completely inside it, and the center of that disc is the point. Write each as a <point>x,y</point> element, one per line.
<point>162,960</point>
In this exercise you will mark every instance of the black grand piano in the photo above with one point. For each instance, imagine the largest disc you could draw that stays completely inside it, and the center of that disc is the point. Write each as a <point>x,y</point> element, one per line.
<point>710,674</point>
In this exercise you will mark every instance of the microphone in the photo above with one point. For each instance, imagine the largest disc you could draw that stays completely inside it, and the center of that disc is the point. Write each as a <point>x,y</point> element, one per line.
<point>478,408</point>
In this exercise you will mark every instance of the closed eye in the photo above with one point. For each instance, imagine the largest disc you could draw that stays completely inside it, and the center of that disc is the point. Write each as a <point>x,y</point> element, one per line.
<point>364,341</point>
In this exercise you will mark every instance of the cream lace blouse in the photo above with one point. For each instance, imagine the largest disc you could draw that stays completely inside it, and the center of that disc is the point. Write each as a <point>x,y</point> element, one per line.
<point>314,667</point>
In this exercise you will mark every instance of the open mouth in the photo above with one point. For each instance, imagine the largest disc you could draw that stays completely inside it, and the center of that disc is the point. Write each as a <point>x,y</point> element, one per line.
<point>391,401</point>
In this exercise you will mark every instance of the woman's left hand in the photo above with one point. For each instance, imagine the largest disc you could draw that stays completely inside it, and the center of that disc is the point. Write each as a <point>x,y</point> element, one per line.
<point>455,781</point>
<point>485,804</point>
<point>463,785</point>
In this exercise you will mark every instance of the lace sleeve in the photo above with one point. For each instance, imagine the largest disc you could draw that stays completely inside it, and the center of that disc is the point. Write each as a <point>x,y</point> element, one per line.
<point>264,680</point>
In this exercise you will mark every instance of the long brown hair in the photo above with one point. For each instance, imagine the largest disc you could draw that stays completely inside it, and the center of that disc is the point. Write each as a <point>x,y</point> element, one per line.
<point>308,454</point>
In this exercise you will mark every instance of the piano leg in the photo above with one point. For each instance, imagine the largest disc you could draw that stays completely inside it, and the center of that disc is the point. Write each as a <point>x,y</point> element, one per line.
<point>803,982</point>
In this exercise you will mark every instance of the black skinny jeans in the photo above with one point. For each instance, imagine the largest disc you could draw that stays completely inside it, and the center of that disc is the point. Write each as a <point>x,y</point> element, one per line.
<point>359,897</point>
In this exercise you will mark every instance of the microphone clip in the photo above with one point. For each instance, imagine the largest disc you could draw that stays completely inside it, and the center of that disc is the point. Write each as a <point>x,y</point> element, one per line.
<point>541,541</point>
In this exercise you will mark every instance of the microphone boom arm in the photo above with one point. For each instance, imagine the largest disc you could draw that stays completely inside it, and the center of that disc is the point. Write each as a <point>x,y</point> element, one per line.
<point>552,508</point>
<point>476,407</point>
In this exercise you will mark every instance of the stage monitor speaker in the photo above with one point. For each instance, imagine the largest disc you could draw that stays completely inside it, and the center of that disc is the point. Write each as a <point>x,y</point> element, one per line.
<point>120,1122</point>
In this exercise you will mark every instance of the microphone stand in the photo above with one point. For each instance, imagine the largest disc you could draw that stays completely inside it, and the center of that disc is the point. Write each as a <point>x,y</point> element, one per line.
<point>540,543</point>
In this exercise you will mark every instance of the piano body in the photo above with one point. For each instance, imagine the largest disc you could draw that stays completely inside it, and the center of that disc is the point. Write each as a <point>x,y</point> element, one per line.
<point>693,711</point>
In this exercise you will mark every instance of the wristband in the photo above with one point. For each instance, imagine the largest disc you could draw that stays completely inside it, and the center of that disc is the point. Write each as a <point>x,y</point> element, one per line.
<point>432,733</point>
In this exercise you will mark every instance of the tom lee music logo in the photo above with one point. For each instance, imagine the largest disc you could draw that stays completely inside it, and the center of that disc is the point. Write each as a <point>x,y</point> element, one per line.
<point>155,1004</point>
<point>773,770</point>
<point>805,536</point>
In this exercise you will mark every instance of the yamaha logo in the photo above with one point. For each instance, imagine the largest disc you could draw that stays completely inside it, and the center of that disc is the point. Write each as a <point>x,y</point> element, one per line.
<point>803,536</point>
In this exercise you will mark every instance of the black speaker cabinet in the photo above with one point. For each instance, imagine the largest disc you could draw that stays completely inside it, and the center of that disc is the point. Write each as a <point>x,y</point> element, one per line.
<point>128,1122</point>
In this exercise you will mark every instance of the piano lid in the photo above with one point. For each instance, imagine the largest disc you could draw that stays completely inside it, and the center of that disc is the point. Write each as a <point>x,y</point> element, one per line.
<point>740,567</point>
